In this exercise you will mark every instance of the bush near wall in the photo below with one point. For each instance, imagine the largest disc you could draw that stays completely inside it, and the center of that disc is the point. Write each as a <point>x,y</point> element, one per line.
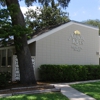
<point>69,73</point>
<point>5,77</point>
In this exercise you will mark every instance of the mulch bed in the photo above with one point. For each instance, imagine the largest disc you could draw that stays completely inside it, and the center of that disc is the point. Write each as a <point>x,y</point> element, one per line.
<point>17,87</point>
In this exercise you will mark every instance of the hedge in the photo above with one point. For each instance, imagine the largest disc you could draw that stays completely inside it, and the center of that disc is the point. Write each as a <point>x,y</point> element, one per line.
<point>69,73</point>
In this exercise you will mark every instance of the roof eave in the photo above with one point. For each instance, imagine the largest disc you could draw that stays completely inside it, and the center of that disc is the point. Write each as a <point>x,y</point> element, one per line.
<point>59,28</point>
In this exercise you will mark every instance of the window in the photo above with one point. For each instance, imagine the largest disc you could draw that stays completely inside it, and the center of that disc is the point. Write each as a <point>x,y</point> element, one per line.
<point>3,58</point>
<point>9,57</point>
<point>6,57</point>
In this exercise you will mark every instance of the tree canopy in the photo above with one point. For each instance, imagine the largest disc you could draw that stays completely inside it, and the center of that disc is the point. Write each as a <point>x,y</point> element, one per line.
<point>45,18</point>
<point>63,3</point>
<point>95,22</point>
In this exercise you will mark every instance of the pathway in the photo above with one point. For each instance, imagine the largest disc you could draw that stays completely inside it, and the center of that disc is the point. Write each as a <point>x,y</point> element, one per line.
<point>72,93</point>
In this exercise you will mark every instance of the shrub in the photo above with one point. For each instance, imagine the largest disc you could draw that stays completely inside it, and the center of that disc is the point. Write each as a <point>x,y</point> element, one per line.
<point>69,73</point>
<point>5,77</point>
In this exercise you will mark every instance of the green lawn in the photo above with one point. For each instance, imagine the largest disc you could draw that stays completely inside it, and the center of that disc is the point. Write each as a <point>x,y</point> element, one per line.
<point>44,96</point>
<point>92,89</point>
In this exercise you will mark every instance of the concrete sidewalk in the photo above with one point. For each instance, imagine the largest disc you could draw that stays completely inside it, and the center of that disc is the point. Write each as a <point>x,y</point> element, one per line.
<point>72,94</point>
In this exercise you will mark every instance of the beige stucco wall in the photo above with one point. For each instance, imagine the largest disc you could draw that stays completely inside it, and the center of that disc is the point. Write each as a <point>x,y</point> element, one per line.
<point>59,48</point>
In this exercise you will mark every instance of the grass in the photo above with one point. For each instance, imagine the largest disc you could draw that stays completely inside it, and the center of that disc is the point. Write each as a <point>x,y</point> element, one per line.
<point>43,96</point>
<point>91,89</point>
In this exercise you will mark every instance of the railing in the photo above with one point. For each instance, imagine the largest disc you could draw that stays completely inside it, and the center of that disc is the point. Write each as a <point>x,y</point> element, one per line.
<point>15,68</point>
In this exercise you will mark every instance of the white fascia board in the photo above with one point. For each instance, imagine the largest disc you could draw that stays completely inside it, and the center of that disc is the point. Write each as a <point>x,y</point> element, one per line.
<point>87,26</point>
<point>49,32</point>
<point>57,29</point>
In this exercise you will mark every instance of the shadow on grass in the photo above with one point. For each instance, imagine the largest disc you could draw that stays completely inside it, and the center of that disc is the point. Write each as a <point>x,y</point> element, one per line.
<point>44,96</point>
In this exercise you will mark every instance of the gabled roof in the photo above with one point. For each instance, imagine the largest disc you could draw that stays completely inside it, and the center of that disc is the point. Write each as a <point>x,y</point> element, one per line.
<point>45,34</point>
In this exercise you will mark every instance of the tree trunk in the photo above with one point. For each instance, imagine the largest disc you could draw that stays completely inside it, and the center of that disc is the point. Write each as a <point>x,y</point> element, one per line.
<point>24,57</point>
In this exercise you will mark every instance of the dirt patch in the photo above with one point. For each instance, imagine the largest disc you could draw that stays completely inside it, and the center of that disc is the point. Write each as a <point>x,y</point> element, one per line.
<point>17,87</point>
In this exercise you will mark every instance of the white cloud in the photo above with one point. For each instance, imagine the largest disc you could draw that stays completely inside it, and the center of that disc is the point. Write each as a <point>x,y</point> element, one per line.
<point>98,8</point>
<point>84,12</point>
<point>75,14</point>
<point>24,9</point>
<point>79,13</point>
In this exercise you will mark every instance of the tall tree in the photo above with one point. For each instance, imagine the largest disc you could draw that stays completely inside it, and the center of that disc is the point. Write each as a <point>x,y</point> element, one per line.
<point>18,22</point>
<point>45,18</point>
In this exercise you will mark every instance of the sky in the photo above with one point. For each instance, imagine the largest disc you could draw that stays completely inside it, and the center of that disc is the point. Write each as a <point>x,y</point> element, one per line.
<point>79,10</point>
